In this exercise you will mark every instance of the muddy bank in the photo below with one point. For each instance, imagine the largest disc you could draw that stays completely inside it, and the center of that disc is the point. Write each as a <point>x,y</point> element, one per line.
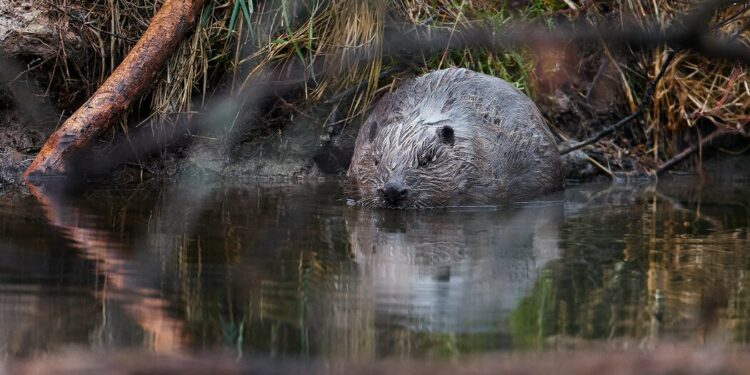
<point>306,143</point>
<point>270,138</point>
<point>664,359</point>
<point>53,55</point>
<point>20,139</point>
<point>32,41</point>
<point>300,144</point>
<point>284,136</point>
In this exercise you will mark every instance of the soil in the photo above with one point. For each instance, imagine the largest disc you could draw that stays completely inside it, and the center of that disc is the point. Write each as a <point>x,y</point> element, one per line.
<point>305,142</point>
<point>288,141</point>
<point>20,139</point>
<point>281,145</point>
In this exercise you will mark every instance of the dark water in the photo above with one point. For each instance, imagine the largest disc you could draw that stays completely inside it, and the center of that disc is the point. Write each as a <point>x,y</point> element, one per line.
<point>288,270</point>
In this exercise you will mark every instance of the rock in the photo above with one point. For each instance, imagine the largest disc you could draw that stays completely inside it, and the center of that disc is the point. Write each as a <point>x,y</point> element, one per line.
<point>577,164</point>
<point>19,142</point>
<point>29,29</point>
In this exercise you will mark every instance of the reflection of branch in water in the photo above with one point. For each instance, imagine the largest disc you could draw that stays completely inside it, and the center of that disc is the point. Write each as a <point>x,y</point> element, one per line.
<point>143,304</point>
<point>635,192</point>
<point>677,206</point>
<point>680,256</point>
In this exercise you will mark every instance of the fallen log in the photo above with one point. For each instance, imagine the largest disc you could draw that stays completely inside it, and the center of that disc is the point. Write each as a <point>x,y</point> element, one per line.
<point>108,104</point>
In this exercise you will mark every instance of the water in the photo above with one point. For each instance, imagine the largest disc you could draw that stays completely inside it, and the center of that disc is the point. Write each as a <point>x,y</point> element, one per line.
<point>288,270</point>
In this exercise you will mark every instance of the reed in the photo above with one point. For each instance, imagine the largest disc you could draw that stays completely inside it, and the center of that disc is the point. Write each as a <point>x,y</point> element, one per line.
<point>338,45</point>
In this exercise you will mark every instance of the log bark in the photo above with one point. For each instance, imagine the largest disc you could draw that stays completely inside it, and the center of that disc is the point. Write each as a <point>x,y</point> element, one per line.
<point>108,104</point>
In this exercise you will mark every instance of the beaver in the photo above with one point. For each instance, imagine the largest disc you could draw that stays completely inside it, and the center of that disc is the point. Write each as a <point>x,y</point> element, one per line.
<point>447,271</point>
<point>453,137</point>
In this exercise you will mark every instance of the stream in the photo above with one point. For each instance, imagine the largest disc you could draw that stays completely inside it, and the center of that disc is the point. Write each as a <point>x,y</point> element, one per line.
<point>289,270</point>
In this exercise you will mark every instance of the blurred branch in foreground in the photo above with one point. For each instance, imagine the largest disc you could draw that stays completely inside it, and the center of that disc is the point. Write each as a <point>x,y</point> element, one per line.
<point>403,41</point>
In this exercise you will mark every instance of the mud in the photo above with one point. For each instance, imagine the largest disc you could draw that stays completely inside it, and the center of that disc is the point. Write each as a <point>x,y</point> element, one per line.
<point>295,141</point>
<point>298,141</point>
<point>19,141</point>
<point>306,142</point>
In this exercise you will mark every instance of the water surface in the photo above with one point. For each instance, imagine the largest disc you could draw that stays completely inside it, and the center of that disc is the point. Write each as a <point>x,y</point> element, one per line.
<point>288,270</point>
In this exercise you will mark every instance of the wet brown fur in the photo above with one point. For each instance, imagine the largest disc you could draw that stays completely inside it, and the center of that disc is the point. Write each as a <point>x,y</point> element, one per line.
<point>500,149</point>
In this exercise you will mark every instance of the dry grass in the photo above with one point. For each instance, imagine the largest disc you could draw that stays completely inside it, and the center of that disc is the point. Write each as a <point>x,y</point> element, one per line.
<point>696,89</point>
<point>695,93</point>
<point>339,44</point>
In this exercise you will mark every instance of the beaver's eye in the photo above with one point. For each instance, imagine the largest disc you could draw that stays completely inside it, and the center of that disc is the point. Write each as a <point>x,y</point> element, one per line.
<point>376,160</point>
<point>426,158</point>
<point>446,135</point>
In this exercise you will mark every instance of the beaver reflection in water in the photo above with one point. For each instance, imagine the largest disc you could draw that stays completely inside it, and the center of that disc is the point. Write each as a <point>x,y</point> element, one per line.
<point>453,137</point>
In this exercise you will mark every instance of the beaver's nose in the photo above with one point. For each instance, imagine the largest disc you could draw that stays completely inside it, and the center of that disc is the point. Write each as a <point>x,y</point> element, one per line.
<point>393,193</point>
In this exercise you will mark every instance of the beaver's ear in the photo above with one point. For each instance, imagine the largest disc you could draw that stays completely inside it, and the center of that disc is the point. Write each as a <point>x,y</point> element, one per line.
<point>446,136</point>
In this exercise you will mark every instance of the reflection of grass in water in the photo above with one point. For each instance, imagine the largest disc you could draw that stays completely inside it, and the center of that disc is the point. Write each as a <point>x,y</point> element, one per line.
<point>270,316</point>
<point>431,345</point>
<point>406,343</point>
<point>592,293</point>
<point>638,270</point>
<point>633,270</point>
<point>739,310</point>
<point>233,333</point>
<point>648,271</point>
<point>303,291</point>
<point>528,322</point>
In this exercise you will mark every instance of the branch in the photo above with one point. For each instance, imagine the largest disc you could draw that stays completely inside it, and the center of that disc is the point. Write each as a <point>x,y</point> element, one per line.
<point>684,154</point>
<point>131,78</point>
<point>647,98</point>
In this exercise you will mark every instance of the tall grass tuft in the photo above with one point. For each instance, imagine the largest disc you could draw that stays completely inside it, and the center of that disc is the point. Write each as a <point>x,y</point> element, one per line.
<point>338,45</point>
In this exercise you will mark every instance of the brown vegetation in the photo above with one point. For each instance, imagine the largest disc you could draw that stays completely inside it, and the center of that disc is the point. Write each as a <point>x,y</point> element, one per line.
<point>114,96</point>
<point>350,51</point>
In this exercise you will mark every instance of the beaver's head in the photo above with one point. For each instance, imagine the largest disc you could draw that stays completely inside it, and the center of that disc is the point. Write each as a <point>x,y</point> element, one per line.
<point>412,164</point>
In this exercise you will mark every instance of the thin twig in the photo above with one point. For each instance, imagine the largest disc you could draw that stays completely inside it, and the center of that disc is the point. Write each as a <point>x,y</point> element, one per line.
<point>684,154</point>
<point>602,134</point>
<point>645,101</point>
<point>602,65</point>
<point>82,22</point>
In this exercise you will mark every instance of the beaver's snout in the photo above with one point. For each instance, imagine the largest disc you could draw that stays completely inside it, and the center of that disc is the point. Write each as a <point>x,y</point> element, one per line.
<point>393,193</point>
